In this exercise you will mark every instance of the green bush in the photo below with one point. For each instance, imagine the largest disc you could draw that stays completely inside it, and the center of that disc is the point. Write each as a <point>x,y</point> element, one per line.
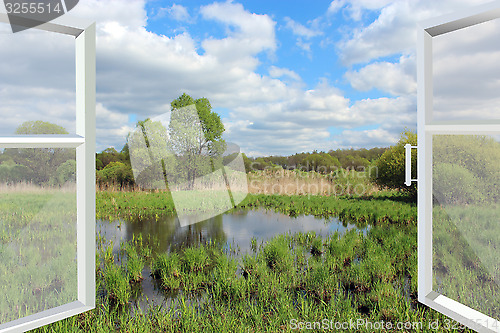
<point>466,168</point>
<point>390,167</point>
<point>66,172</point>
<point>115,173</point>
<point>454,184</point>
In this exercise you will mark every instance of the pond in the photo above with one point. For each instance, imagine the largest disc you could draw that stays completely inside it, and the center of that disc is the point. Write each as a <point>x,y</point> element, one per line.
<point>232,231</point>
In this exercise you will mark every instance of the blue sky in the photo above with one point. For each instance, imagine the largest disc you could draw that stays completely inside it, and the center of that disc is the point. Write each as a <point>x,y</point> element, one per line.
<point>285,76</point>
<point>312,56</point>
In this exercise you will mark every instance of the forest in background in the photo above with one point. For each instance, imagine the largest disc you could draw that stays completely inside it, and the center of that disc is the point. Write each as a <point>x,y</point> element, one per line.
<point>114,168</point>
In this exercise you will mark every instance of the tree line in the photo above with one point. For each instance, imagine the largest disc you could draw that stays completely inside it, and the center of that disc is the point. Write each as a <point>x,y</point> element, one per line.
<point>114,167</point>
<point>57,166</point>
<point>322,162</point>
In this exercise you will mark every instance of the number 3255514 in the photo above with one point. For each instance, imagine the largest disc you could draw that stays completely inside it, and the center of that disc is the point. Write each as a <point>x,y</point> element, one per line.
<point>32,8</point>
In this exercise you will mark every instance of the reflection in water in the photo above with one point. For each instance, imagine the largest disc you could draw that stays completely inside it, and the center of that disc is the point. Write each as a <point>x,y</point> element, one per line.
<point>230,231</point>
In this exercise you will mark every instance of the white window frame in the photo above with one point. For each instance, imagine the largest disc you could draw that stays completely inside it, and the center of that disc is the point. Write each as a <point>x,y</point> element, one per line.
<point>426,129</point>
<point>84,142</point>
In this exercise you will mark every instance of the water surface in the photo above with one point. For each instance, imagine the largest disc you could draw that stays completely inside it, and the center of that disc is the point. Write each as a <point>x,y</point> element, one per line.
<point>232,231</point>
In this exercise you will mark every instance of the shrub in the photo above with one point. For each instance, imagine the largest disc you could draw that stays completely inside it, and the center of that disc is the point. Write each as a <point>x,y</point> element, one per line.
<point>390,171</point>
<point>453,184</point>
<point>116,173</point>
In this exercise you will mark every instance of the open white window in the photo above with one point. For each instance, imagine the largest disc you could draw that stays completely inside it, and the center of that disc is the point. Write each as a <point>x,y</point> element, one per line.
<point>459,166</point>
<point>47,203</point>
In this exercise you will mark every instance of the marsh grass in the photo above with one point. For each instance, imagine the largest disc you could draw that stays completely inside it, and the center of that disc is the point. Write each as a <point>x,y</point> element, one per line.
<point>293,276</point>
<point>263,291</point>
<point>380,208</point>
<point>37,250</point>
<point>134,263</point>
<point>284,280</point>
<point>465,261</point>
<point>117,284</point>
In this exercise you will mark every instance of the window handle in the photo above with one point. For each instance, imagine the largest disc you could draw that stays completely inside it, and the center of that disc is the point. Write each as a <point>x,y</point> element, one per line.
<point>408,179</point>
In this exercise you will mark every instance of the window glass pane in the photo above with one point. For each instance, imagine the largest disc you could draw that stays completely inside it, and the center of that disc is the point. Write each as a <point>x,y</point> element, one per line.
<point>466,73</point>
<point>38,263</point>
<point>37,79</point>
<point>466,225</point>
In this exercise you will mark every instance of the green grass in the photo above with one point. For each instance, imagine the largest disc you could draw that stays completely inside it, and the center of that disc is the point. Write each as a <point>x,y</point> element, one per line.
<point>353,277</point>
<point>383,208</point>
<point>132,205</point>
<point>117,284</point>
<point>37,252</point>
<point>465,260</point>
<point>134,264</point>
<point>301,276</point>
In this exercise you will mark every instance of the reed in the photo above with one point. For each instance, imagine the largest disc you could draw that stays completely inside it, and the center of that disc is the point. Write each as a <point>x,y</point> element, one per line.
<point>117,284</point>
<point>37,250</point>
<point>380,208</point>
<point>267,291</point>
<point>296,182</point>
<point>134,263</point>
<point>300,276</point>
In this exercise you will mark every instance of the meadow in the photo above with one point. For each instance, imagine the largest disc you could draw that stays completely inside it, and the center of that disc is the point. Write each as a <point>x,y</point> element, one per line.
<point>287,282</point>
<point>283,285</point>
<point>465,263</point>
<point>37,250</point>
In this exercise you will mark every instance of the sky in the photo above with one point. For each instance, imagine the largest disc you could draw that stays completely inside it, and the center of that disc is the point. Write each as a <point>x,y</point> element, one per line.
<point>285,76</point>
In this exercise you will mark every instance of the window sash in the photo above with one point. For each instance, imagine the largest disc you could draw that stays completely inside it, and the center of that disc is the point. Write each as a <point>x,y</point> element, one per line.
<point>84,142</point>
<point>426,128</point>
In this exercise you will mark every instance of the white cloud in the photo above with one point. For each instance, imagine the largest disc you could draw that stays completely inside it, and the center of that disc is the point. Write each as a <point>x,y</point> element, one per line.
<point>252,34</point>
<point>398,112</point>
<point>395,78</point>
<point>394,30</point>
<point>276,72</point>
<point>112,127</point>
<point>301,30</point>
<point>365,138</point>
<point>129,13</point>
<point>303,33</point>
<point>466,73</point>
<point>302,122</point>
<point>179,13</point>
<point>139,72</point>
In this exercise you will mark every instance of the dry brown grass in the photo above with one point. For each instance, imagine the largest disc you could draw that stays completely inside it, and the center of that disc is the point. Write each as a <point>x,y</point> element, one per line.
<point>115,187</point>
<point>289,182</point>
<point>32,188</point>
<point>284,182</point>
